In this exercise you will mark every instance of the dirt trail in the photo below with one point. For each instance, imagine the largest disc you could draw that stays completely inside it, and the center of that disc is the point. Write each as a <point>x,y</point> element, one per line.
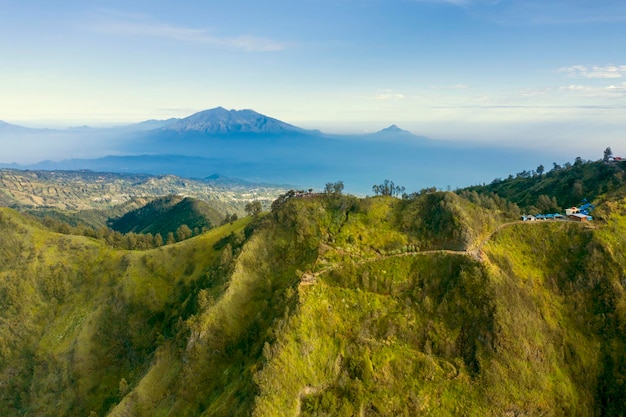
<point>311,390</point>
<point>309,278</point>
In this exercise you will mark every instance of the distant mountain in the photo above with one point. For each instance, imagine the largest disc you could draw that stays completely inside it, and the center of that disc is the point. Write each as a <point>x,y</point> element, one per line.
<point>148,125</point>
<point>394,132</point>
<point>219,121</point>
<point>247,145</point>
<point>167,214</point>
<point>393,129</point>
<point>11,128</point>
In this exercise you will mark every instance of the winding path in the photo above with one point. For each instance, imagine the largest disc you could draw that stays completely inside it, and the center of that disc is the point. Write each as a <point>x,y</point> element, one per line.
<point>309,278</point>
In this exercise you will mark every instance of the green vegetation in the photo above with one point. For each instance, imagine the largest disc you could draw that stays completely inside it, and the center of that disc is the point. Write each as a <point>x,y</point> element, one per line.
<point>254,208</point>
<point>388,188</point>
<point>560,188</point>
<point>168,214</point>
<point>158,221</point>
<point>436,304</point>
<point>78,317</point>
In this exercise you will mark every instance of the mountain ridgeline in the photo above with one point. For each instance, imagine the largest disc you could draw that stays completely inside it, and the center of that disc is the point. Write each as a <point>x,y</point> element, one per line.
<point>219,121</point>
<point>249,145</point>
<point>436,304</point>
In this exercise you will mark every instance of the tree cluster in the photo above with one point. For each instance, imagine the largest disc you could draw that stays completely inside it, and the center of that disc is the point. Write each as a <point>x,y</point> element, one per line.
<point>130,240</point>
<point>388,188</point>
<point>230,218</point>
<point>333,188</point>
<point>253,208</point>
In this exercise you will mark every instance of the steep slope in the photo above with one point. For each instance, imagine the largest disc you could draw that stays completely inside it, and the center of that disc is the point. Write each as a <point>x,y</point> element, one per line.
<point>80,322</point>
<point>329,305</point>
<point>536,328</point>
<point>166,214</point>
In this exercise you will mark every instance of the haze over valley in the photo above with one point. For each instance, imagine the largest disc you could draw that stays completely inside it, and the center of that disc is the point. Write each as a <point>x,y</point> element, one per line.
<point>254,147</point>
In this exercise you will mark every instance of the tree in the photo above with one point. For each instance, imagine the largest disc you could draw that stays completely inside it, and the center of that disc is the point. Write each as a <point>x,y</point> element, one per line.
<point>547,204</point>
<point>123,387</point>
<point>131,241</point>
<point>333,188</point>
<point>540,170</point>
<point>577,189</point>
<point>183,232</point>
<point>608,154</point>
<point>280,201</point>
<point>253,208</point>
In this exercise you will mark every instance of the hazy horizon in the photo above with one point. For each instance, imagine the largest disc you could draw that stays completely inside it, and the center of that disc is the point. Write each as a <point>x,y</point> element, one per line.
<point>547,73</point>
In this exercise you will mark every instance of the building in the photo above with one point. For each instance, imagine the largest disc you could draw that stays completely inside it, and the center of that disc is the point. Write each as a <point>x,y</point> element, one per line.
<point>579,217</point>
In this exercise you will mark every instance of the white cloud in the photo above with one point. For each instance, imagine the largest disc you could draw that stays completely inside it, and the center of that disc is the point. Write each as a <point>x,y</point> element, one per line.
<point>135,27</point>
<point>458,86</point>
<point>599,92</point>
<point>574,87</point>
<point>388,95</point>
<point>582,71</point>
<point>619,87</point>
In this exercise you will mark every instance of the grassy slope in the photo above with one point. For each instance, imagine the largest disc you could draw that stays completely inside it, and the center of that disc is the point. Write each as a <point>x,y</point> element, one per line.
<point>231,331</point>
<point>220,326</point>
<point>538,329</point>
<point>78,317</point>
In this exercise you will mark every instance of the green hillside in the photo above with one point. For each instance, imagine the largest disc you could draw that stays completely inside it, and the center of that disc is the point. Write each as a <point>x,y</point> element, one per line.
<point>166,214</point>
<point>559,188</point>
<point>90,218</point>
<point>80,320</point>
<point>330,305</point>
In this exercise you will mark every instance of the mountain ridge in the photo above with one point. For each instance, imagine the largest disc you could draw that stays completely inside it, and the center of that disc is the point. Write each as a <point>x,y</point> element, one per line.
<point>254,147</point>
<point>217,120</point>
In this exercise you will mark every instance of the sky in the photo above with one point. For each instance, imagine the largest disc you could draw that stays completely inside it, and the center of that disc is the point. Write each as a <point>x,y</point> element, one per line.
<point>535,73</point>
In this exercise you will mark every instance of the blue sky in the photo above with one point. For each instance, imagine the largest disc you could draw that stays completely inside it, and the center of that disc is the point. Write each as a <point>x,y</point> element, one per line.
<point>537,72</point>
